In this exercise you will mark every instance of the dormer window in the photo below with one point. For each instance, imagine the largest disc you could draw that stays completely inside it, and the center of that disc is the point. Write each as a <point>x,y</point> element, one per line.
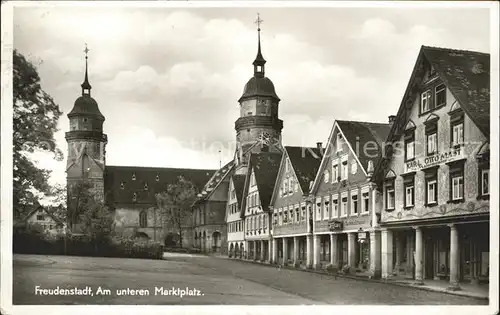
<point>133,176</point>
<point>157,178</point>
<point>122,185</point>
<point>145,186</point>
<point>425,102</point>
<point>134,197</point>
<point>440,95</point>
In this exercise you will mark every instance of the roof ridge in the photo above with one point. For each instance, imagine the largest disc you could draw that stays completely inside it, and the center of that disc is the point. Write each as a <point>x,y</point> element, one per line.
<point>363,122</point>
<point>165,167</point>
<point>454,50</point>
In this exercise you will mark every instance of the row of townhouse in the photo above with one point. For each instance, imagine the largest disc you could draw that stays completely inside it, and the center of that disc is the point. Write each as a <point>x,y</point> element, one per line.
<point>408,198</point>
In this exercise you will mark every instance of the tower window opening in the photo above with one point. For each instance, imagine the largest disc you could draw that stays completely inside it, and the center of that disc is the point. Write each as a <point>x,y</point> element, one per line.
<point>259,68</point>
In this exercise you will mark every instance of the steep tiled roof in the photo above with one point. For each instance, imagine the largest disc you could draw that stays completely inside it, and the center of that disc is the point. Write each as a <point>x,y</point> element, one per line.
<point>305,162</point>
<point>265,166</point>
<point>467,75</point>
<point>365,138</point>
<point>214,181</point>
<point>47,210</point>
<point>155,178</point>
<point>239,185</point>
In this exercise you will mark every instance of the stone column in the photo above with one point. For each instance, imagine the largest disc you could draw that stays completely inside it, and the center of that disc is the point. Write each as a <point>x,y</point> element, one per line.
<point>351,250</point>
<point>262,251</point>
<point>316,247</point>
<point>333,250</point>
<point>285,251</point>
<point>454,259</point>
<point>419,264</point>
<point>409,254</point>
<point>296,251</point>
<point>274,251</point>
<point>399,252</point>
<point>310,252</point>
<point>375,255</point>
<point>386,253</point>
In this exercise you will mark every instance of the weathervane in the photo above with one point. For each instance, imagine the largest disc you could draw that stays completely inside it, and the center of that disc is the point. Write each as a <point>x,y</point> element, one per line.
<point>258,22</point>
<point>86,51</point>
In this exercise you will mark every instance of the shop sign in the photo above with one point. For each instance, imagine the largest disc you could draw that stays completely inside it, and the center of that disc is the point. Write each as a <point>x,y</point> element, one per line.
<point>440,158</point>
<point>335,225</point>
<point>362,235</point>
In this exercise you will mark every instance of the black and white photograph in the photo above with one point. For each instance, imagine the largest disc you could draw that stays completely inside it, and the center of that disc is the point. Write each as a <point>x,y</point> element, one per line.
<point>202,154</point>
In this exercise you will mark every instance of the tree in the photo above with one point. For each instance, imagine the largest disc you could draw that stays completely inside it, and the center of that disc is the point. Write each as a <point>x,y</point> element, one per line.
<point>35,117</point>
<point>80,201</point>
<point>174,205</point>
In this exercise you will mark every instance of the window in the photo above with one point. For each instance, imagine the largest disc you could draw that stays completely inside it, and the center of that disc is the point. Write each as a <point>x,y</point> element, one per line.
<point>431,143</point>
<point>280,217</point>
<point>143,219</point>
<point>339,142</point>
<point>432,192</point>
<point>366,202</point>
<point>145,186</point>
<point>157,178</point>
<point>344,206</point>
<point>133,176</point>
<point>326,210</point>
<point>354,205</point>
<point>335,173</point>
<point>425,101</point>
<point>345,170</point>
<point>456,180</point>
<point>134,197</point>
<point>297,215</point>
<point>296,185</point>
<point>335,208</point>
<point>410,145</point>
<point>326,176</point>
<point>303,214</point>
<point>440,95</point>
<point>285,218</point>
<point>390,195</point>
<point>264,221</point>
<point>40,217</point>
<point>122,185</point>
<point>457,187</point>
<point>431,186</point>
<point>431,135</point>
<point>409,190</point>
<point>318,210</point>
<point>485,182</point>
<point>457,134</point>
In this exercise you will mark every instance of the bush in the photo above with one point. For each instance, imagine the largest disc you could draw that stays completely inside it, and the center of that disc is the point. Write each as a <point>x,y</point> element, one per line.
<point>28,240</point>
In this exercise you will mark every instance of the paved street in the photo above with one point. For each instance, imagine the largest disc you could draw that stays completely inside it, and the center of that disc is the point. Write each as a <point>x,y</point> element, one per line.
<point>219,281</point>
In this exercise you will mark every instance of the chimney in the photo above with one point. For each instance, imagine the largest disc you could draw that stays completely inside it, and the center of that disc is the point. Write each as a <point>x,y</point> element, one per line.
<point>392,119</point>
<point>319,145</point>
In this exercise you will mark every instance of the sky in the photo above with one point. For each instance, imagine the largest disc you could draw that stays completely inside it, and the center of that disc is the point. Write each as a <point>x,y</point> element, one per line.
<point>168,80</point>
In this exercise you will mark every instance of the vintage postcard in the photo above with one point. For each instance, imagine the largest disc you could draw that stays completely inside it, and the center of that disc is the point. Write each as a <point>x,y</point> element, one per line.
<point>259,157</point>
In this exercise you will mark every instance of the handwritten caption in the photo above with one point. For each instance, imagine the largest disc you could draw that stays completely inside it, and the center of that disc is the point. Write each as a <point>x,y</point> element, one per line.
<point>89,291</point>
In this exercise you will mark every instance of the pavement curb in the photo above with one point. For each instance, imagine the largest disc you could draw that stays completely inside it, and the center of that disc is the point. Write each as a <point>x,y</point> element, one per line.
<point>401,284</point>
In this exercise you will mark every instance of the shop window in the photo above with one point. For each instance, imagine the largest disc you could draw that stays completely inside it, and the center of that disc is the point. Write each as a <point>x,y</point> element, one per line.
<point>409,189</point>
<point>410,145</point>
<point>431,186</point>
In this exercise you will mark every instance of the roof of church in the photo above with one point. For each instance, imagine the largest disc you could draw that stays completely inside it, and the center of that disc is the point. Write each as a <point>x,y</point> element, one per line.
<point>259,86</point>
<point>265,166</point>
<point>360,133</point>
<point>239,185</point>
<point>85,105</point>
<point>146,182</point>
<point>467,75</point>
<point>305,162</point>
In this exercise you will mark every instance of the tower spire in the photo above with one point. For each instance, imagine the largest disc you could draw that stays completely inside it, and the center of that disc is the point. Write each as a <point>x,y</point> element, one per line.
<point>86,85</point>
<point>259,61</point>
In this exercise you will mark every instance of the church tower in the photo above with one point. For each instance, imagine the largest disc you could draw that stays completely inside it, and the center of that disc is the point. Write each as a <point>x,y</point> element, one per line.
<point>86,143</point>
<point>258,129</point>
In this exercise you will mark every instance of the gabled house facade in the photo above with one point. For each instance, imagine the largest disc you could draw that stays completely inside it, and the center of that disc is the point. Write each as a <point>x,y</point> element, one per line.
<point>291,232</point>
<point>43,217</point>
<point>255,209</point>
<point>345,201</point>
<point>235,225</point>
<point>435,175</point>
